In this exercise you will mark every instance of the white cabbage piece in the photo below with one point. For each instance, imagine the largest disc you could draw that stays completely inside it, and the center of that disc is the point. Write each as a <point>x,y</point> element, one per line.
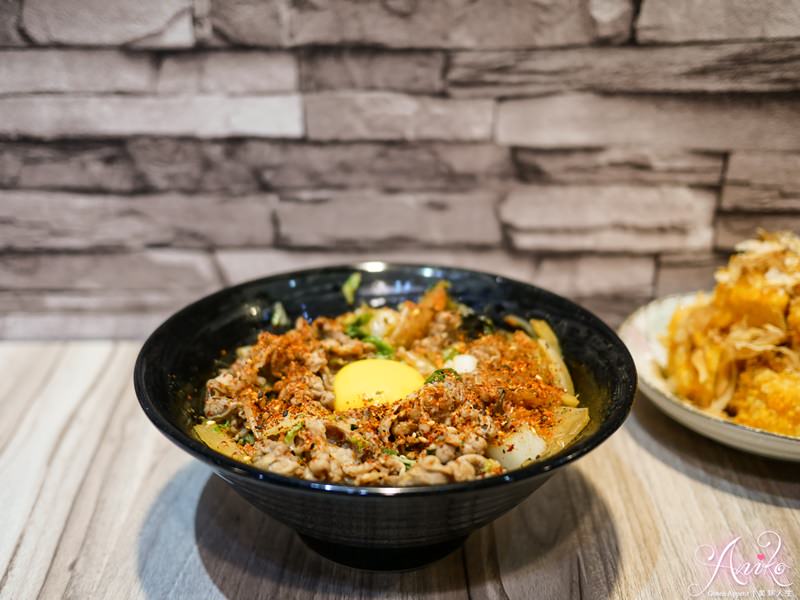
<point>525,445</point>
<point>518,449</point>
<point>569,423</point>
<point>215,437</point>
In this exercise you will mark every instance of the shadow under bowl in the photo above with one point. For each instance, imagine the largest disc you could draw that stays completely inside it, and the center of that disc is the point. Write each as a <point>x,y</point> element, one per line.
<point>374,527</point>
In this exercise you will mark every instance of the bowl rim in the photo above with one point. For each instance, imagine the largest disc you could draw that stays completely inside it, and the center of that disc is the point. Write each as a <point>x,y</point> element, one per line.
<point>198,450</point>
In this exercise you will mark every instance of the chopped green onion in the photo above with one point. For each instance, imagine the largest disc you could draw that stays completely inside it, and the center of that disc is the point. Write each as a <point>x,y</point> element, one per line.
<point>406,461</point>
<point>292,433</point>
<point>351,286</point>
<point>247,438</point>
<point>354,327</point>
<point>279,316</point>
<point>449,354</point>
<point>355,330</point>
<point>382,348</point>
<point>358,443</point>
<point>440,375</point>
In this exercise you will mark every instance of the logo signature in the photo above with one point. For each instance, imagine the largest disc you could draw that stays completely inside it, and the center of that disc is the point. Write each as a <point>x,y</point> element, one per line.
<point>764,566</point>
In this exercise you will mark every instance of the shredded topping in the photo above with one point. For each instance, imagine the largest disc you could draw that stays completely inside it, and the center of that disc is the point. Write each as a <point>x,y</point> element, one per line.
<point>749,325</point>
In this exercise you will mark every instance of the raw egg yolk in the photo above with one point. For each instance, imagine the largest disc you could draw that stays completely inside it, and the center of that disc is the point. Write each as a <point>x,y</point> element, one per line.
<point>373,381</point>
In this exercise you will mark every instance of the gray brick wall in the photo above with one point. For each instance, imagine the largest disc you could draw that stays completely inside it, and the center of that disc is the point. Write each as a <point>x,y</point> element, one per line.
<point>611,150</point>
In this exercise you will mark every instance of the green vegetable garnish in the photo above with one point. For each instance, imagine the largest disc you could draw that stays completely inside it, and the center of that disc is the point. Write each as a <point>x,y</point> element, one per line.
<point>354,327</point>
<point>449,354</point>
<point>358,443</point>
<point>279,317</point>
<point>292,433</point>
<point>351,286</point>
<point>406,461</point>
<point>247,438</point>
<point>440,375</point>
<point>381,347</point>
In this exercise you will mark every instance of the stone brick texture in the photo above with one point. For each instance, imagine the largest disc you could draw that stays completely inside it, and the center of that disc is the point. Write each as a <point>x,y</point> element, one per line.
<point>609,150</point>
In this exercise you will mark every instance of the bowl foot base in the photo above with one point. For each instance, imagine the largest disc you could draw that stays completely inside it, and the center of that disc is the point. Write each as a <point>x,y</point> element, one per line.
<point>383,559</point>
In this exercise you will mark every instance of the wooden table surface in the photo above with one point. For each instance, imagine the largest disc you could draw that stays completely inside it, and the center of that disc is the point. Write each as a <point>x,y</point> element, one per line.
<point>96,503</point>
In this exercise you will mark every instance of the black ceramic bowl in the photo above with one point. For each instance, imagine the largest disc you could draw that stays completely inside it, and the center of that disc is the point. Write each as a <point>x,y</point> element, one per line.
<point>374,527</point>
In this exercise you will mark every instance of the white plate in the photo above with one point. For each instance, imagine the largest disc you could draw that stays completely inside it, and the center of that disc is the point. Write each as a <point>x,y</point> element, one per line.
<point>642,333</point>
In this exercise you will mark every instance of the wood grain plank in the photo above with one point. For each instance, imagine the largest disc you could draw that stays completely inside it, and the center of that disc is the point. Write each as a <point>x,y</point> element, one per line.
<point>30,452</point>
<point>84,416</point>
<point>84,517</point>
<point>705,493</point>
<point>100,550</point>
<point>26,368</point>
